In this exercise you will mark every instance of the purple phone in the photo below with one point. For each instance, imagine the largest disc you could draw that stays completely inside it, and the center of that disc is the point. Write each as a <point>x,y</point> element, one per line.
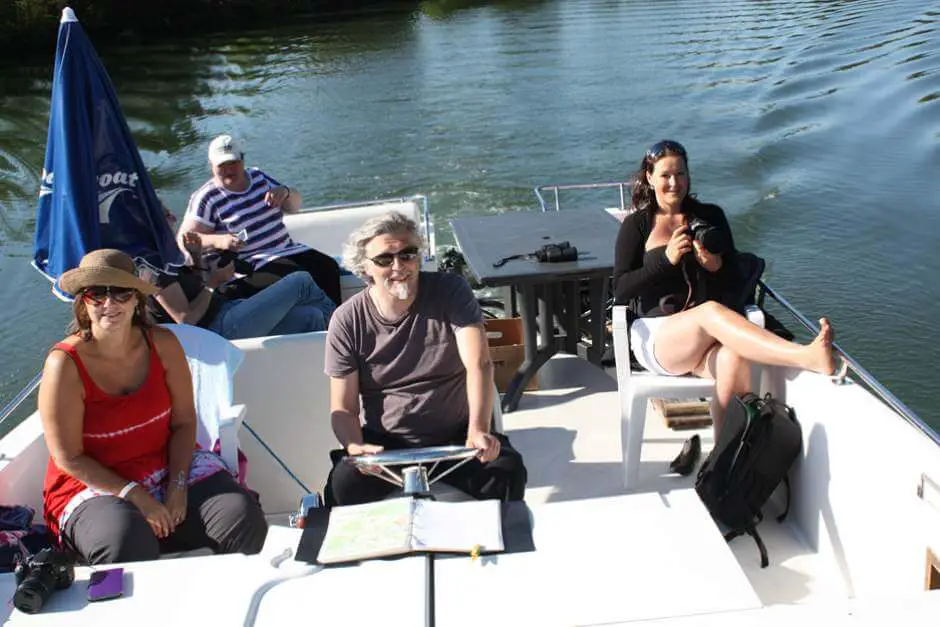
<point>106,584</point>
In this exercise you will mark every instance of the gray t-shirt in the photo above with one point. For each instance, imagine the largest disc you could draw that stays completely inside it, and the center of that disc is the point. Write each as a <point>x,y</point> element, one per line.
<point>411,380</point>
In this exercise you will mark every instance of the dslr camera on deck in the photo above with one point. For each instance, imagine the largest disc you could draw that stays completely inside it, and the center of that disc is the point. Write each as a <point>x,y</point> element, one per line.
<point>556,253</point>
<point>241,266</point>
<point>37,576</point>
<point>710,237</point>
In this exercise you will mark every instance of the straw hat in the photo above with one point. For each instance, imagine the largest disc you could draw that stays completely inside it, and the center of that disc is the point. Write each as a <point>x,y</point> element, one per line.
<point>106,266</point>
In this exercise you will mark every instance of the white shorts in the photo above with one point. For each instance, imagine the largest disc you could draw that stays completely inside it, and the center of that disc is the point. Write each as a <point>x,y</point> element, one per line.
<point>642,339</point>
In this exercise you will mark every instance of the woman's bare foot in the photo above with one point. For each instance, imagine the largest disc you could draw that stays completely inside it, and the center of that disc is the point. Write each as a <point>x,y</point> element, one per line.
<point>820,350</point>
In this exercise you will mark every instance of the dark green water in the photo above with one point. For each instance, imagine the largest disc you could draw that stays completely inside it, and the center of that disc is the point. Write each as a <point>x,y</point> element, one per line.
<point>815,124</point>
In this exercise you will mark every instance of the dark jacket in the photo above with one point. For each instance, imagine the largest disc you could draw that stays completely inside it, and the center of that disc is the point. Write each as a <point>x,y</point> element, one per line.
<point>655,287</point>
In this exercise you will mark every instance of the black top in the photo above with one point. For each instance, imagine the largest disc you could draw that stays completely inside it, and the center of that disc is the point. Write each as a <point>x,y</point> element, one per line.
<point>646,277</point>
<point>192,286</point>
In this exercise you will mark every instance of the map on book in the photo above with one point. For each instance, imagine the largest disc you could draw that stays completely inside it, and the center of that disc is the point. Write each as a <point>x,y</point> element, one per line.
<point>407,525</point>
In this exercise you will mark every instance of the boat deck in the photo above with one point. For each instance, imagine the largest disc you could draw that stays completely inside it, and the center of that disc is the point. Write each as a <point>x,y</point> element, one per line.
<point>569,434</point>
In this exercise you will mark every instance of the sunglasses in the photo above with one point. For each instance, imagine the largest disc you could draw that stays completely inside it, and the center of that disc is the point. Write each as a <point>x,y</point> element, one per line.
<point>97,294</point>
<point>385,260</point>
<point>658,149</point>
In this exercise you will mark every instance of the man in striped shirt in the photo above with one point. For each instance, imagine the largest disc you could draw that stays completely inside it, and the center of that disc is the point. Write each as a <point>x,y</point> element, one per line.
<point>241,210</point>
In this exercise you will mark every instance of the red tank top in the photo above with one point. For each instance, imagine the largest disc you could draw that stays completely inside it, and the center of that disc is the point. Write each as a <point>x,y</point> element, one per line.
<point>127,433</point>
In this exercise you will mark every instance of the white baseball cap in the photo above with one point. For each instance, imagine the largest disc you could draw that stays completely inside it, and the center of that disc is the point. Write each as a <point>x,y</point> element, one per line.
<point>223,149</point>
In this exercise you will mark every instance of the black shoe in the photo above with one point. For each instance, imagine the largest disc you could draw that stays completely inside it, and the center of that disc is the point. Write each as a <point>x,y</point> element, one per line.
<point>686,460</point>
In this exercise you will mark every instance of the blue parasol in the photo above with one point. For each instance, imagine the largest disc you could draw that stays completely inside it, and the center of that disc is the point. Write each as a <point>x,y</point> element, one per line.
<point>95,191</point>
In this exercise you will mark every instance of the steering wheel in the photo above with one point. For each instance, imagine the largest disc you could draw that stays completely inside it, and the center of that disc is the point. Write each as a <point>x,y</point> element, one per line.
<point>414,477</point>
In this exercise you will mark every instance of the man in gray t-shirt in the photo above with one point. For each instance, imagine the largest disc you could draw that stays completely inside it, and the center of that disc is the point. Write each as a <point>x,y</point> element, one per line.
<point>409,355</point>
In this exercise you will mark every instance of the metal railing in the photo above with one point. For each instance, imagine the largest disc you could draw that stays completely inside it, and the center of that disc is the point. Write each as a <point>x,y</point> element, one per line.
<point>20,397</point>
<point>555,189</point>
<point>859,371</point>
<point>863,375</point>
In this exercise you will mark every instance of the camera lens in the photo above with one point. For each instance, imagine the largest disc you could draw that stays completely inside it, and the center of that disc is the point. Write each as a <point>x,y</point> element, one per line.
<point>33,592</point>
<point>710,237</point>
<point>38,577</point>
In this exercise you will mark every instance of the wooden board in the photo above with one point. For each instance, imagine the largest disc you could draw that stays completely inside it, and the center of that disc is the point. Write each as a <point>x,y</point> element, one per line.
<point>680,414</point>
<point>680,423</point>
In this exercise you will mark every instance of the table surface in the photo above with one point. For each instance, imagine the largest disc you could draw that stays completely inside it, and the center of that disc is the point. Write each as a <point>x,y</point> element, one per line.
<point>179,591</point>
<point>602,561</point>
<point>485,240</point>
<point>609,560</point>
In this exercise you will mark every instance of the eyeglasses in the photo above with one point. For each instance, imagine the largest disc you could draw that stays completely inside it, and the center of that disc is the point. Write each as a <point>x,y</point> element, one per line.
<point>384,260</point>
<point>97,294</point>
<point>658,149</point>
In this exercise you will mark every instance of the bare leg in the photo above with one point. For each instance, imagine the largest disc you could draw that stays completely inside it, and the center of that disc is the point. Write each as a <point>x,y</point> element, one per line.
<point>732,375</point>
<point>685,338</point>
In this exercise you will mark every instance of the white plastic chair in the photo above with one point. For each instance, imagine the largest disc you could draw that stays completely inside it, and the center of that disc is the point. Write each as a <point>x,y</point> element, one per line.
<point>213,361</point>
<point>635,389</point>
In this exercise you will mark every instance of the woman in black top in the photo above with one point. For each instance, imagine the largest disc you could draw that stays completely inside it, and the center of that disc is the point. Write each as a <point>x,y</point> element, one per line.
<point>671,280</point>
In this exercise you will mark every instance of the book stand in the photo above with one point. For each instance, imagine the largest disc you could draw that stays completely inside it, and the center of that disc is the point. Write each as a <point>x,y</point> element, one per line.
<point>414,481</point>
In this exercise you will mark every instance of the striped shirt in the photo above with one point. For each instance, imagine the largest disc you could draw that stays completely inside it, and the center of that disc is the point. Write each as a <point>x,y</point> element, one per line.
<point>231,212</point>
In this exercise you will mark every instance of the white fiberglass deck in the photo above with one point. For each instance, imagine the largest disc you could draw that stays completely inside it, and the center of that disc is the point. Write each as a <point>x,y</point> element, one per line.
<point>569,434</point>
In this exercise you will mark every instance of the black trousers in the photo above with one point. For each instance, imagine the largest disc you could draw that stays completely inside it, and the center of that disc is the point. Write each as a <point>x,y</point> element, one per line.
<point>504,478</point>
<point>220,514</point>
<point>322,268</point>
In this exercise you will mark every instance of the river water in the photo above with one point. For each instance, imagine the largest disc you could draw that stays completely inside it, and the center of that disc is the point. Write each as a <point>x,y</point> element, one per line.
<point>815,124</point>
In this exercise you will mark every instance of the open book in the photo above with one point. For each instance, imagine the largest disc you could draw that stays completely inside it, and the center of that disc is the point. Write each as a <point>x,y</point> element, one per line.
<point>407,525</point>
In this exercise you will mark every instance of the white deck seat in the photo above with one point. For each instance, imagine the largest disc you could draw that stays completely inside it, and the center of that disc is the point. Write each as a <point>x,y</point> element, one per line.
<point>327,229</point>
<point>281,379</point>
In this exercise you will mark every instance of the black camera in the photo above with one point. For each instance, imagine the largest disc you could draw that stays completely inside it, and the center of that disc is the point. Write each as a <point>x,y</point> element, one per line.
<point>38,576</point>
<point>241,266</point>
<point>712,238</point>
<point>556,253</point>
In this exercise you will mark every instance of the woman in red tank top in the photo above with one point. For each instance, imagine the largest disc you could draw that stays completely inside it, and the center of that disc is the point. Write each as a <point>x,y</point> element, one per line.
<point>125,480</point>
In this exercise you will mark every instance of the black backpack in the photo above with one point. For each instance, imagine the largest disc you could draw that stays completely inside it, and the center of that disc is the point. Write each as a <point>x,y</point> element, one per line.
<point>759,441</point>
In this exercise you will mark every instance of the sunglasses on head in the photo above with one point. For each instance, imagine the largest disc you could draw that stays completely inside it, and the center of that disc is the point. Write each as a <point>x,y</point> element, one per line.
<point>658,149</point>
<point>97,294</point>
<point>384,260</point>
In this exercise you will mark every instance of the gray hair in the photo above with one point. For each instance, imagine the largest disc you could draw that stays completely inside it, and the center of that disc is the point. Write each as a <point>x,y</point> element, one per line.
<point>391,223</point>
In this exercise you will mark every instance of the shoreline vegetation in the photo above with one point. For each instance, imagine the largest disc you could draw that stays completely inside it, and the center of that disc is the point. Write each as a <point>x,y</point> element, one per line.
<point>28,25</point>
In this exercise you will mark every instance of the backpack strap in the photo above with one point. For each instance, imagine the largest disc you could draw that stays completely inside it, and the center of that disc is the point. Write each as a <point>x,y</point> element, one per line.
<point>764,561</point>
<point>751,531</point>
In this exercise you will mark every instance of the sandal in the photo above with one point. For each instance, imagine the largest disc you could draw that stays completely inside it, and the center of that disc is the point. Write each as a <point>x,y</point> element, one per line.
<point>840,371</point>
<point>685,461</point>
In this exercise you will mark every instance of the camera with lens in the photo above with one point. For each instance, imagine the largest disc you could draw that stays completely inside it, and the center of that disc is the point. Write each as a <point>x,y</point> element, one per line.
<point>556,253</point>
<point>710,237</point>
<point>230,256</point>
<point>37,576</point>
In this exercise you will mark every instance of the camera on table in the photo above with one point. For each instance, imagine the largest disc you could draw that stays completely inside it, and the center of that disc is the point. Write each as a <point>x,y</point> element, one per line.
<point>556,253</point>
<point>37,576</point>
<point>710,237</point>
<point>230,256</point>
